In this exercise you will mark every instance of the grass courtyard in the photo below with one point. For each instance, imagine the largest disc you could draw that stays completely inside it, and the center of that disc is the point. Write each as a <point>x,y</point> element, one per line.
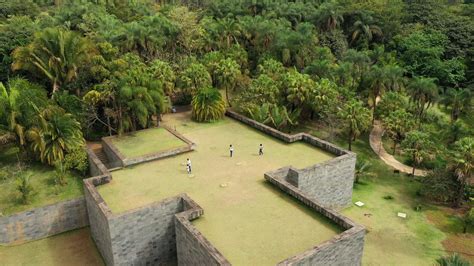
<point>42,180</point>
<point>247,219</point>
<point>70,248</point>
<point>145,142</point>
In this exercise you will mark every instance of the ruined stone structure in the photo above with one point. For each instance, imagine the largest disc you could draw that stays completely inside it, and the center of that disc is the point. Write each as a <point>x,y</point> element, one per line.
<point>161,232</point>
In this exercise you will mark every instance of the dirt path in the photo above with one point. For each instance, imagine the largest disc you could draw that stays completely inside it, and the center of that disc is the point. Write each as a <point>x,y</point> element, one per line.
<point>377,147</point>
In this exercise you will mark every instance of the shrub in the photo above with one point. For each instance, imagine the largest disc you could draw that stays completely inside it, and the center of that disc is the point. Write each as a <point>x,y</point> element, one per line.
<point>388,197</point>
<point>24,187</point>
<point>60,174</point>
<point>77,160</point>
<point>453,260</point>
<point>207,105</point>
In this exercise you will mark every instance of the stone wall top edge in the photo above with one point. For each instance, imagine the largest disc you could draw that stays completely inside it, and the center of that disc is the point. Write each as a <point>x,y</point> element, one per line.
<point>152,205</point>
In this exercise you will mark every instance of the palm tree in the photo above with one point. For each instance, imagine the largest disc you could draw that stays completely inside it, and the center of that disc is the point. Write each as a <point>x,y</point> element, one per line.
<point>55,134</point>
<point>364,31</point>
<point>463,164</point>
<point>229,30</point>
<point>459,100</point>
<point>17,113</point>
<point>378,81</point>
<point>356,118</point>
<point>424,92</point>
<point>227,73</point>
<point>329,16</point>
<point>417,144</point>
<point>361,167</point>
<point>397,124</point>
<point>55,54</point>
<point>207,105</point>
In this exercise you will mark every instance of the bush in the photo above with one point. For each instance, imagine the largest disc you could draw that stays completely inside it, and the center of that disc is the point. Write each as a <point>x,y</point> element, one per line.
<point>60,174</point>
<point>24,187</point>
<point>77,160</point>
<point>453,260</point>
<point>388,197</point>
<point>208,105</point>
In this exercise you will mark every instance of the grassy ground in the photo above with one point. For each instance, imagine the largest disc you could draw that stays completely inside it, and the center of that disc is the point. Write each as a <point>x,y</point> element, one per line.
<point>248,220</point>
<point>71,248</point>
<point>42,179</point>
<point>146,142</point>
<point>418,240</point>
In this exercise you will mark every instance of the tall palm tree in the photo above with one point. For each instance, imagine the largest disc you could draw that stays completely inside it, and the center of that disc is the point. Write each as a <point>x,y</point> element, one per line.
<point>229,31</point>
<point>227,73</point>
<point>463,164</point>
<point>356,118</point>
<point>423,92</point>
<point>54,54</point>
<point>459,100</point>
<point>378,81</point>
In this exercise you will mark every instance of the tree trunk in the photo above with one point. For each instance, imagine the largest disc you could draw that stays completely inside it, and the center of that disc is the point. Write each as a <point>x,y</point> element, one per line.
<point>227,95</point>
<point>394,147</point>
<point>414,166</point>
<point>350,139</point>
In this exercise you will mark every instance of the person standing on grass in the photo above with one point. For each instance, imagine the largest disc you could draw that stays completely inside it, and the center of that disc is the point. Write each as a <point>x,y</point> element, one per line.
<point>188,164</point>
<point>188,168</point>
<point>260,149</point>
<point>231,150</point>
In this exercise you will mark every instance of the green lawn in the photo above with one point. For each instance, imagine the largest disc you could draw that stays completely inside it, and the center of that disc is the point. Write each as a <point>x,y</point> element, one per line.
<point>145,142</point>
<point>418,240</point>
<point>248,220</point>
<point>71,248</point>
<point>42,179</point>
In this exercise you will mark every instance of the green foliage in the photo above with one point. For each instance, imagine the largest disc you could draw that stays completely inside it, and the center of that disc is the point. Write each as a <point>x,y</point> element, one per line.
<point>24,187</point>
<point>207,105</point>
<point>453,260</point>
<point>55,54</point>
<point>361,168</point>
<point>468,220</point>
<point>418,145</point>
<point>60,173</point>
<point>76,159</point>
<point>397,124</point>
<point>356,119</point>
<point>54,134</point>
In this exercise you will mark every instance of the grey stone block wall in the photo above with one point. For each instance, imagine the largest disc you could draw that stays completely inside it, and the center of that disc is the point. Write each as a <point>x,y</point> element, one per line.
<point>96,167</point>
<point>345,248</point>
<point>99,214</point>
<point>192,247</point>
<point>114,156</point>
<point>145,235</point>
<point>43,221</point>
<point>329,182</point>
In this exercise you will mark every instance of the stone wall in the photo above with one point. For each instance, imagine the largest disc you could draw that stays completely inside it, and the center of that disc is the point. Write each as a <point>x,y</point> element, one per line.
<point>329,182</point>
<point>114,156</point>
<point>99,213</point>
<point>192,247</point>
<point>145,235</point>
<point>345,248</point>
<point>43,221</point>
<point>117,159</point>
<point>96,167</point>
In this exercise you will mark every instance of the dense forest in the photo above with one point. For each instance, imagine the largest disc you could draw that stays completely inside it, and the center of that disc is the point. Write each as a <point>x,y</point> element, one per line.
<point>78,70</point>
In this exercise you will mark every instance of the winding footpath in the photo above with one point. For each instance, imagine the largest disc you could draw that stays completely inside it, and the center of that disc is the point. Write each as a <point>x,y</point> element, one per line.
<point>375,140</point>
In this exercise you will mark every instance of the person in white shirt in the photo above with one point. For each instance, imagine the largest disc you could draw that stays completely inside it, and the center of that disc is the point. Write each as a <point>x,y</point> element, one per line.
<point>260,149</point>
<point>188,164</point>
<point>231,150</point>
